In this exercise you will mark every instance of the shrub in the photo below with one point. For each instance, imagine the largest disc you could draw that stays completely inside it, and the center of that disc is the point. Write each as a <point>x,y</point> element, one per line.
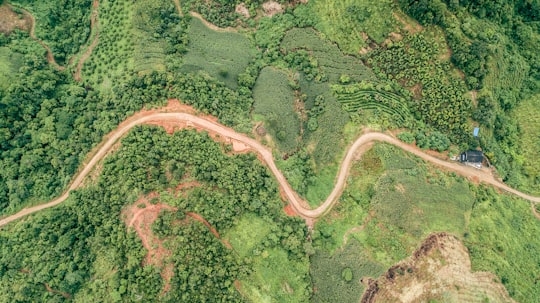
<point>347,274</point>
<point>406,137</point>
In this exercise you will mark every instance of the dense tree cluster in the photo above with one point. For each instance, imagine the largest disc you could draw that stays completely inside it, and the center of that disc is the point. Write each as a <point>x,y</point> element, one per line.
<point>88,228</point>
<point>439,96</point>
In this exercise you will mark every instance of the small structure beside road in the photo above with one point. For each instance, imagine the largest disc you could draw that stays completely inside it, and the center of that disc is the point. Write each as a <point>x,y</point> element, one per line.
<point>473,158</point>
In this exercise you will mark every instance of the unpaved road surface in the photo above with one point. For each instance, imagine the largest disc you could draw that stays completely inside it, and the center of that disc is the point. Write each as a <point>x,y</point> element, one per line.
<point>300,206</point>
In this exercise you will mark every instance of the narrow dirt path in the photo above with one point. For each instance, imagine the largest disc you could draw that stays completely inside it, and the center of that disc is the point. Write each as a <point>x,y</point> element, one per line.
<point>93,27</point>
<point>300,206</point>
<point>50,56</point>
<point>213,26</point>
<point>178,7</point>
<point>84,56</point>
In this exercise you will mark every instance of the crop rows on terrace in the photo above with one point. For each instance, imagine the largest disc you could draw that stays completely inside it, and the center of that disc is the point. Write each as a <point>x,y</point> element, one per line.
<point>365,97</point>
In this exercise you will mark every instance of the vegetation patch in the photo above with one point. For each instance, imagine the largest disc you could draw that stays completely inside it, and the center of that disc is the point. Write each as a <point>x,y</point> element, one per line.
<point>345,21</point>
<point>113,58</point>
<point>277,278</point>
<point>86,236</point>
<point>503,239</point>
<point>10,63</point>
<point>366,96</point>
<point>274,100</point>
<point>337,277</point>
<point>222,55</point>
<point>247,234</point>
<point>529,124</point>
<point>437,95</point>
<point>327,56</point>
<point>64,25</point>
<point>323,133</point>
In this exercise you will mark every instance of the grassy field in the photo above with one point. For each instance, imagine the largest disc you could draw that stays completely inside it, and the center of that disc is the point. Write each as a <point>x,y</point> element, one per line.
<point>9,66</point>
<point>503,239</point>
<point>221,55</point>
<point>326,142</point>
<point>275,278</point>
<point>247,234</point>
<point>331,60</point>
<point>149,50</point>
<point>345,21</point>
<point>529,123</point>
<point>328,271</point>
<point>274,100</point>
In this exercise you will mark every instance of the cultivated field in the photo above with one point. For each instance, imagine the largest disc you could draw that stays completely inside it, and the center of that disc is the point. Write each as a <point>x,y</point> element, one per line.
<point>220,54</point>
<point>274,101</point>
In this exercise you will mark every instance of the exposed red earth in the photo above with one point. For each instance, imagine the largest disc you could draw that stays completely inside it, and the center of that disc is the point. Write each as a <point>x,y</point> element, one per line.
<point>141,215</point>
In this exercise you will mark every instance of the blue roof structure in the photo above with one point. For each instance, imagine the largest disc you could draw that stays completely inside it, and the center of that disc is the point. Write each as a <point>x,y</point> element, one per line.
<point>476,130</point>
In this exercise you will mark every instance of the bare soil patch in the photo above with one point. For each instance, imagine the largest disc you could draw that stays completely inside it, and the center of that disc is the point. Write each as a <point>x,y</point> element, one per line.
<point>289,211</point>
<point>535,212</point>
<point>178,7</point>
<point>141,215</point>
<point>271,8</point>
<point>447,55</point>
<point>439,269</point>
<point>10,20</point>
<point>409,25</point>
<point>474,95</point>
<point>242,10</point>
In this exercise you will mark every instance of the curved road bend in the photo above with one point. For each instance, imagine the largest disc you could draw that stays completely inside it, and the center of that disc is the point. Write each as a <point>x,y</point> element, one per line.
<point>299,205</point>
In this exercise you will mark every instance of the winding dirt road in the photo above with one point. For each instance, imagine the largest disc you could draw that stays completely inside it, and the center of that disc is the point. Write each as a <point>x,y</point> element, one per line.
<point>300,206</point>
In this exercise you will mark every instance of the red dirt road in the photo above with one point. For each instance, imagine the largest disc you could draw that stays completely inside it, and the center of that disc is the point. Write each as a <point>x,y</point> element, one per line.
<point>300,206</point>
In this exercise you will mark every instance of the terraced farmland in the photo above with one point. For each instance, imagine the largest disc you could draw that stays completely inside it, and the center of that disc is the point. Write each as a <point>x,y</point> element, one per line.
<point>366,97</point>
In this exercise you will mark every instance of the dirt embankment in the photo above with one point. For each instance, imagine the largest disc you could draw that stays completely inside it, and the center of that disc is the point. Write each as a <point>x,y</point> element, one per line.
<point>10,20</point>
<point>439,269</point>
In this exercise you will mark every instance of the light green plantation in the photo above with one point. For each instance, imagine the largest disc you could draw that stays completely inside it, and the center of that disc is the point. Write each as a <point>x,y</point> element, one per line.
<point>274,100</point>
<point>223,55</point>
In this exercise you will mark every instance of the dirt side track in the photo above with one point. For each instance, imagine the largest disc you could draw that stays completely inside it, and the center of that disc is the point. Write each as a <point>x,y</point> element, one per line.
<point>300,206</point>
